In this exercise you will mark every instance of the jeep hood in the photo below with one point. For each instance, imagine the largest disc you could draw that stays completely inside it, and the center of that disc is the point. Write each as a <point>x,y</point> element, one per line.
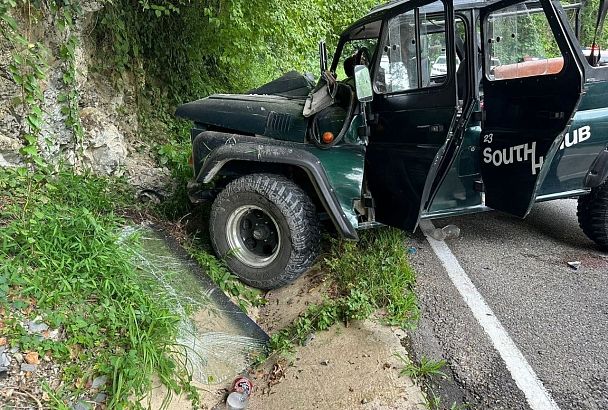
<point>267,115</point>
<point>273,110</point>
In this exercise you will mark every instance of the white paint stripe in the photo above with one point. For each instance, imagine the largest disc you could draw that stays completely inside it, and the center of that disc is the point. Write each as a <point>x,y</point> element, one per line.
<point>526,379</point>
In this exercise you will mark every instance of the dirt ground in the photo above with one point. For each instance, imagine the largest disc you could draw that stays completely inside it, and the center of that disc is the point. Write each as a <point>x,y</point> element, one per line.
<point>343,368</point>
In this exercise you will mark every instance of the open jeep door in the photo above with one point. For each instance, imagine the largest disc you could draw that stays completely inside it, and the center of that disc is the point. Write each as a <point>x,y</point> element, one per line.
<point>416,109</point>
<point>532,84</point>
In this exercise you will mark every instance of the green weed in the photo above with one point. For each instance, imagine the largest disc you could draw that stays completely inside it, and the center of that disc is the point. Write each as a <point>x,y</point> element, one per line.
<point>426,368</point>
<point>432,401</point>
<point>245,296</point>
<point>175,156</point>
<point>375,274</point>
<point>316,318</point>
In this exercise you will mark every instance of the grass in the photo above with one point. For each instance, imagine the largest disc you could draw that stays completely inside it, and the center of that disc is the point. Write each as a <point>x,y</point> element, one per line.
<point>61,258</point>
<point>426,368</point>
<point>376,271</point>
<point>242,294</point>
<point>423,373</point>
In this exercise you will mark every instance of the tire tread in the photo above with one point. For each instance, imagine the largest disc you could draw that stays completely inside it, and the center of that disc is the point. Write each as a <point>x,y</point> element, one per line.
<point>299,212</point>
<point>593,215</point>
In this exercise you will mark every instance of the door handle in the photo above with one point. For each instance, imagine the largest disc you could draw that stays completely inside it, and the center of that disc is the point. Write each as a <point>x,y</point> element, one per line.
<point>431,128</point>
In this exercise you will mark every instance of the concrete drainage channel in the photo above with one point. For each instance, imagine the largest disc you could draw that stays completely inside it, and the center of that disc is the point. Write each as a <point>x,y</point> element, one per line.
<point>219,340</point>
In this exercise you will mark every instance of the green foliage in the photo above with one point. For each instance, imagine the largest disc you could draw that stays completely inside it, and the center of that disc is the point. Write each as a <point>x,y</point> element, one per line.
<point>377,267</point>
<point>316,318</point>
<point>194,48</point>
<point>6,6</point>
<point>28,70</point>
<point>29,66</point>
<point>175,156</point>
<point>589,19</point>
<point>426,368</point>
<point>70,96</point>
<point>245,296</point>
<point>60,250</point>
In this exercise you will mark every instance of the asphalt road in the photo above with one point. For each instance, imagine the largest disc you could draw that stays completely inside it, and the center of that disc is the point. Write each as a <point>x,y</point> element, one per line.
<point>556,316</point>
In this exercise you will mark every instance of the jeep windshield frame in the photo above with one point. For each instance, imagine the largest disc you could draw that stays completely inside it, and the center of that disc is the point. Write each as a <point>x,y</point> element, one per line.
<point>373,25</point>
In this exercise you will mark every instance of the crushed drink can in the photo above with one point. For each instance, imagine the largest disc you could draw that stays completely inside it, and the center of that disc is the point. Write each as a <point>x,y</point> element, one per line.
<point>242,385</point>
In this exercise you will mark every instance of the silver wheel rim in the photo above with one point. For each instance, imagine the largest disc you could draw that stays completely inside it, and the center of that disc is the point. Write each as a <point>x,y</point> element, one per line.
<point>253,236</point>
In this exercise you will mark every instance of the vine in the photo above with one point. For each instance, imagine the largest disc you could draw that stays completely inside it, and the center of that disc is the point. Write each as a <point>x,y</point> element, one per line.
<point>28,70</point>
<point>70,97</point>
<point>29,67</point>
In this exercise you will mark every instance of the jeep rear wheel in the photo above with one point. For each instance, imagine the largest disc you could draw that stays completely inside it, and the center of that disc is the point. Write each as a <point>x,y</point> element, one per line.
<point>593,215</point>
<point>266,228</point>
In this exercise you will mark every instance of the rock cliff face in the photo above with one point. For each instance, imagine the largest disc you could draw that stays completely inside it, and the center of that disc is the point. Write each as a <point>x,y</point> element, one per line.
<point>111,144</point>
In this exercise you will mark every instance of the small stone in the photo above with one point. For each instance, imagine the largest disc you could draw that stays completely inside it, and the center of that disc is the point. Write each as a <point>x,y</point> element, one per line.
<point>100,398</point>
<point>14,350</point>
<point>3,341</point>
<point>309,339</point>
<point>51,334</point>
<point>37,326</point>
<point>99,382</point>
<point>32,358</point>
<point>574,265</point>
<point>82,405</point>
<point>364,401</point>
<point>325,362</point>
<point>5,360</point>
<point>18,357</point>
<point>28,367</point>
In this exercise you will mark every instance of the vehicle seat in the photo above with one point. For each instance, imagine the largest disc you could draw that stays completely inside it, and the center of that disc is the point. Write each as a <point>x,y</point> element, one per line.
<point>349,66</point>
<point>349,70</point>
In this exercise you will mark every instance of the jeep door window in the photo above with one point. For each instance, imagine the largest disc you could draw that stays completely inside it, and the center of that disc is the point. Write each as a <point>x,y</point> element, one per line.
<point>520,44</point>
<point>582,19</point>
<point>413,51</point>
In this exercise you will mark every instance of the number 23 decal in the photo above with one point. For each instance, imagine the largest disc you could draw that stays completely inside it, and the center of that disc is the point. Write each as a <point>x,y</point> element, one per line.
<point>488,139</point>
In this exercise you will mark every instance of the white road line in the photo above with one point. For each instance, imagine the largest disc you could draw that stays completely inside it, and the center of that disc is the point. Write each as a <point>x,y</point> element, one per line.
<point>526,379</point>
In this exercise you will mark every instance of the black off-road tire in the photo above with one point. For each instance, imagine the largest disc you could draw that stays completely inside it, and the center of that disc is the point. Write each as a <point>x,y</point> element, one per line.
<point>288,208</point>
<point>593,215</point>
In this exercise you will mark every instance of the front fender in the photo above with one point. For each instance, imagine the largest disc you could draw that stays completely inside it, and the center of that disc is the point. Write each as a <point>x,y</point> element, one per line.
<point>213,150</point>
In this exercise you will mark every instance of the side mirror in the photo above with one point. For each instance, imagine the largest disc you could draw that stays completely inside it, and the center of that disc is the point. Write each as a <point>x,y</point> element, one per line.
<point>363,84</point>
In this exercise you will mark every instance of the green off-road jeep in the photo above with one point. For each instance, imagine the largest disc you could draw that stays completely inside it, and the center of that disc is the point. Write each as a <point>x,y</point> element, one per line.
<point>429,109</point>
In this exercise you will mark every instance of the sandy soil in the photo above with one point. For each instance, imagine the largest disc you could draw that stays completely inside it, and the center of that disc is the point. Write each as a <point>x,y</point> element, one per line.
<point>344,368</point>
